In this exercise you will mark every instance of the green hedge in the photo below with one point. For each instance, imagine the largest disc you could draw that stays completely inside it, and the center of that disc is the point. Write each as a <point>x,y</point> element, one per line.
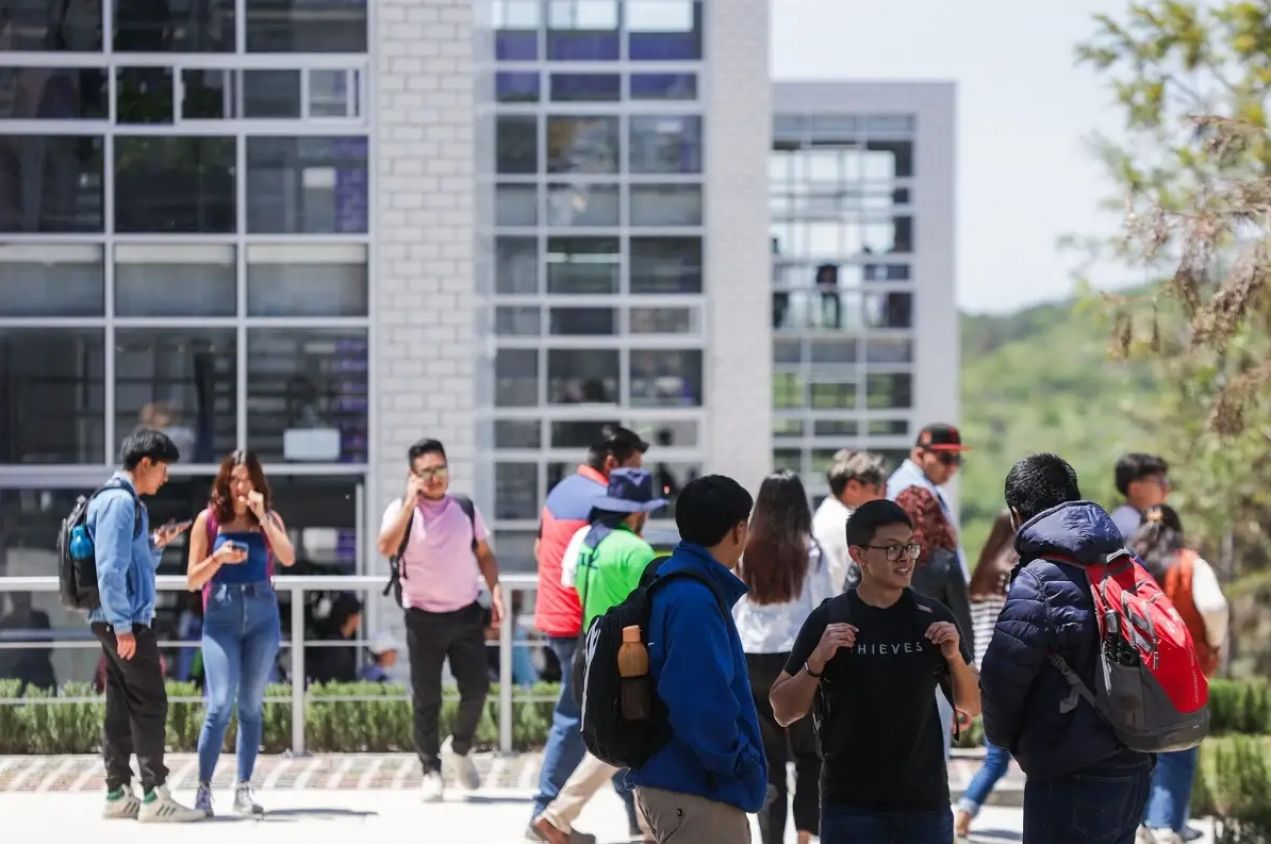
<point>1240,707</point>
<point>331,725</point>
<point>1233,783</point>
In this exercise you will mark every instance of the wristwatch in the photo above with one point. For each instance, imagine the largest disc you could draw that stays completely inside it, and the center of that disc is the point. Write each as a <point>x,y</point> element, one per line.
<point>811,673</point>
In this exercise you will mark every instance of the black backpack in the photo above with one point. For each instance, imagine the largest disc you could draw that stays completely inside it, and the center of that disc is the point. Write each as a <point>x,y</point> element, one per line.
<point>609,736</point>
<point>397,571</point>
<point>77,578</point>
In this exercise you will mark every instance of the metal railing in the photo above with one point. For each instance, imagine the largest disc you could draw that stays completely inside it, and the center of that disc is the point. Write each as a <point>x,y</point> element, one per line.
<point>297,586</point>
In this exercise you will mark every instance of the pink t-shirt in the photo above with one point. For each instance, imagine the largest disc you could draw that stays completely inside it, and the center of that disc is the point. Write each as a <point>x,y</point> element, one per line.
<point>441,571</point>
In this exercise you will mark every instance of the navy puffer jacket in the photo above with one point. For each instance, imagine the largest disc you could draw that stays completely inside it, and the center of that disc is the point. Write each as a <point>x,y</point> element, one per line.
<point>1049,608</point>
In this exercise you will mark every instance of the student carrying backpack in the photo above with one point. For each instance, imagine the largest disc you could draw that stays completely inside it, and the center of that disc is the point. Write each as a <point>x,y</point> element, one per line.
<point>76,554</point>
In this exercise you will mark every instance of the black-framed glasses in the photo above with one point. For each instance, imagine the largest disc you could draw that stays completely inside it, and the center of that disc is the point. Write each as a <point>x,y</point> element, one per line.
<point>433,473</point>
<point>896,553</point>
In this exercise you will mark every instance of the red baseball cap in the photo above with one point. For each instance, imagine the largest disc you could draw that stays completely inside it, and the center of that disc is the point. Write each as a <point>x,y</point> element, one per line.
<point>941,437</point>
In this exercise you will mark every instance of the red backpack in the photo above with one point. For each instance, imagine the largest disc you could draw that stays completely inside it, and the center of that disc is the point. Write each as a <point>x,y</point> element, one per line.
<point>1149,685</point>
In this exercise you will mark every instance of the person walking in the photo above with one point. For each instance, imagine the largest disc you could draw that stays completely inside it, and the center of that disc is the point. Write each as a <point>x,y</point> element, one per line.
<point>558,612</point>
<point>233,545</point>
<point>127,554</point>
<point>1059,739</point>
<point>788,576</point>
<point>1192,587</point>
<point>442,546</point>
<point>989,582</point>
<point>866,664</point>
<point>855,477</point>
<point>611,560</point>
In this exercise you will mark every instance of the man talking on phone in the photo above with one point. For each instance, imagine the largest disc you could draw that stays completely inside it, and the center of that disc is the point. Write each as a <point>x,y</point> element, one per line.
<point>127,554</point>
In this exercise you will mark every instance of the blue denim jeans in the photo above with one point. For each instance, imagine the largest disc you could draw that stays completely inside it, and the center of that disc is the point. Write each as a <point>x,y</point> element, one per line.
<point>240,641</point>
<point>843,825</point>
<point>565,748</point>
<point>1171,790</point>
<point>993,769</point>
<point>1100,805</point>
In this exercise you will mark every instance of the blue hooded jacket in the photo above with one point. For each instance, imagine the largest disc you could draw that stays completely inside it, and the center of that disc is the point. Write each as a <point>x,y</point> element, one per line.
<point>1049,608</point>
<point>699,669</point>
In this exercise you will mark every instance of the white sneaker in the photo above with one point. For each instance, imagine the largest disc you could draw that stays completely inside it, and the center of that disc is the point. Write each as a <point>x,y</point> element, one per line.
<point>124,807</point>
<point>465,769</point>
<point>1166,836</point>
<point>1143,836</point>
<point>245,801</point>
<point>203,799</point>
<point>159,807</point>
<point>433,790</point>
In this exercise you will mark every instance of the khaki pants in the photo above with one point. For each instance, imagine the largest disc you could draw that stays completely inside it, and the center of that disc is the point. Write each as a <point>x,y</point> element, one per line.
<point>589,777</point>
<point>688,819</point>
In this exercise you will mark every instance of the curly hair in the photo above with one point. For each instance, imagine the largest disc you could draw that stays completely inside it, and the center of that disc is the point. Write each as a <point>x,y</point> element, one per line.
<point>931,528</point>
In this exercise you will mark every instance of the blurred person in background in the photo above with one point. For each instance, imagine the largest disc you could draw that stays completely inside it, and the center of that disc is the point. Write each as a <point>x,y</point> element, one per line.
<point>1144,481</point>
<point>855,477</point>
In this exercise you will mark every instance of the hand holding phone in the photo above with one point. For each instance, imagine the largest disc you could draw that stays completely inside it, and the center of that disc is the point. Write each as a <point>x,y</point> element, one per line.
<point>170,530</point>
<point>230,553</point>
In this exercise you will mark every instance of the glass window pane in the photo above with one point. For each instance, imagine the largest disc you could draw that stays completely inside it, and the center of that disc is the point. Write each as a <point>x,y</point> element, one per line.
<point>834,351</point>
<point>42,25</point>
<point>208,95</point>
<point>889,390</point>
<point>174,184</point>
<point>143,95</point>
<point>517,490</point>
<point>889,310</point>
<point>582,30</point>
<point>680,433</point>
<point>788,390</point>
<point>310,185</point>
<point>666,265</point>
<point>53,93</point>
<point>50,183</point>
<point>51,279</point>
<point>54,408</point>
<point>889,159</point>
<point>666,377</point>
<point>181,381</point>
<point>307,394</point>
<point>163,279</point>
<point>326,279</point>
<point>516,87</point>
<point>664,86</point>
<point>518,321</point>
<point>831,395</point>
<point>664,30</point>
<point>787,460</point>
<point>666,144</point>
<point>586,87</point>
<point>516,24</point>
<point>330,92</point>
<point>574,321</point>
<point>322,510</point>
<point>663,320</point>
<point>516,205</point>
<point>517,433</point>
<point>177,26</point>
<point>889,350</point>
<point>787,351</point>
<point>516,144</point>
<point>585,376</point>
<point>582,205</point>
<point>582,144</point>
<point>271,93</point>
<point>666,205</point>
<point>306,26</point>
<point>582,265</point>
<point>787,427</point>
<point>836,428</point>
<point>579,434</point>
<point>516,378</point>
<point>889,427</point>
<point>516,265</point>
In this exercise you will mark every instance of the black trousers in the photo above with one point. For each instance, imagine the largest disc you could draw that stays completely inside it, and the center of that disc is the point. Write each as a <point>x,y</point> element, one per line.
<point>431,639</point>
<point>136,710</point>
<point>780,745</point>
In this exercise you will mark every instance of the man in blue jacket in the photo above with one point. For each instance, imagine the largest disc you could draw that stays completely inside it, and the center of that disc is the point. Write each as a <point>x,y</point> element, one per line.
<point>127,554</point>
<point>1083,784</point>
<point>702,783</point>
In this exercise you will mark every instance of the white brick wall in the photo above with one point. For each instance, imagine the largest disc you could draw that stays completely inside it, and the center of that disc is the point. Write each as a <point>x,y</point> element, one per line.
<point>738,129</point>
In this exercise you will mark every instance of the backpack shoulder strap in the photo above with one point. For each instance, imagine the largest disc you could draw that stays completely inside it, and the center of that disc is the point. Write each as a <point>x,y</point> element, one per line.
<point>470,510</point>
<point>839,608</point>
<point>115,483</point>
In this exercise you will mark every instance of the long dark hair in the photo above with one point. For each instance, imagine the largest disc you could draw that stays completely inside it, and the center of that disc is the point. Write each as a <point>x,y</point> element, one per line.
<point>1158,541</point>
<point>775,561</point>
<point>222,502</point>
<point>997,558</point>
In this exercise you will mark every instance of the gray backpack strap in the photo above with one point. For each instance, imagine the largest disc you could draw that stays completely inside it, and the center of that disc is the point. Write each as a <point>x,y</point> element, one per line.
<point>1079,688</point>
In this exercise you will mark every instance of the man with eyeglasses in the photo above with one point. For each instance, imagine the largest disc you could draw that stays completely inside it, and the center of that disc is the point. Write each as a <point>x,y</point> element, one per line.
<point>866,664</point>
<point>442,548</point>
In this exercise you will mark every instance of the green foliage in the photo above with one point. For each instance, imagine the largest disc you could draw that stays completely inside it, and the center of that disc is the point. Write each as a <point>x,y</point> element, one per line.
<point>1240,707</point>
<point>1233,782</point>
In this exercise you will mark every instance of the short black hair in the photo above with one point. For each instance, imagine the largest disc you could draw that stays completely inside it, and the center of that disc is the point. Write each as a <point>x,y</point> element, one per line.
<point>1136,467</point>
<point>426,446</point>
<point>709,507</point>
<point>1039,482</point>
<point>147,442</point>
<point>872,515</point>
<point>617,441</point>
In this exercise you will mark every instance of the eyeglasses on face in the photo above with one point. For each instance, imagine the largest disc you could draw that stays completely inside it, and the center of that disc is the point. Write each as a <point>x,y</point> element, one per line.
<point>896,553</point>
<point>434,473</point>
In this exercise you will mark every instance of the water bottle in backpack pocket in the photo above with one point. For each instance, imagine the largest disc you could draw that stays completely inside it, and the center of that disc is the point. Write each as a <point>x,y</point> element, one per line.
<point>77,556</point>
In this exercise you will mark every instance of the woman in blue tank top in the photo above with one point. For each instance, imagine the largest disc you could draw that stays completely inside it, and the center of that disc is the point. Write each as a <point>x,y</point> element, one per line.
<point>233,545</point>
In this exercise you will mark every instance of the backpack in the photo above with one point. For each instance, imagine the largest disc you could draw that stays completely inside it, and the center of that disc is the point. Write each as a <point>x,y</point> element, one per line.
<point>76,556</point>
<point>608,735</point>
<point>397,569</point>
<point>1149,686</point>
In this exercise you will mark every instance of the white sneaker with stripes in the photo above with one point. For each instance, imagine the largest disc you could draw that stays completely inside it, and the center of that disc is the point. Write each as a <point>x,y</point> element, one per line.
<point>124,807</point>
<point>159,807</point>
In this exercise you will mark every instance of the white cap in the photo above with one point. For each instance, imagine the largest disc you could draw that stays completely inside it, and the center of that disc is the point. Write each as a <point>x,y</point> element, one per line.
<point>383,642</point>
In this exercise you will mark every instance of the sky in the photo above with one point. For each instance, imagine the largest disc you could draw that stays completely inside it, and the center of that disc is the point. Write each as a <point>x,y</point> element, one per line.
<point>1026,175</point>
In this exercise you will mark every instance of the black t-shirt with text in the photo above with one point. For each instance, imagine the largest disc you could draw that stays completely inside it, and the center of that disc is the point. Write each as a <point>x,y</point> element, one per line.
<point>881,742</point>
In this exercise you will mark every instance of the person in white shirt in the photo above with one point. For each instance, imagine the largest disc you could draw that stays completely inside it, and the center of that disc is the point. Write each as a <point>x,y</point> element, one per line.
<point>788,576</point>
<point>855,477</point>
<point>935,458</point>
